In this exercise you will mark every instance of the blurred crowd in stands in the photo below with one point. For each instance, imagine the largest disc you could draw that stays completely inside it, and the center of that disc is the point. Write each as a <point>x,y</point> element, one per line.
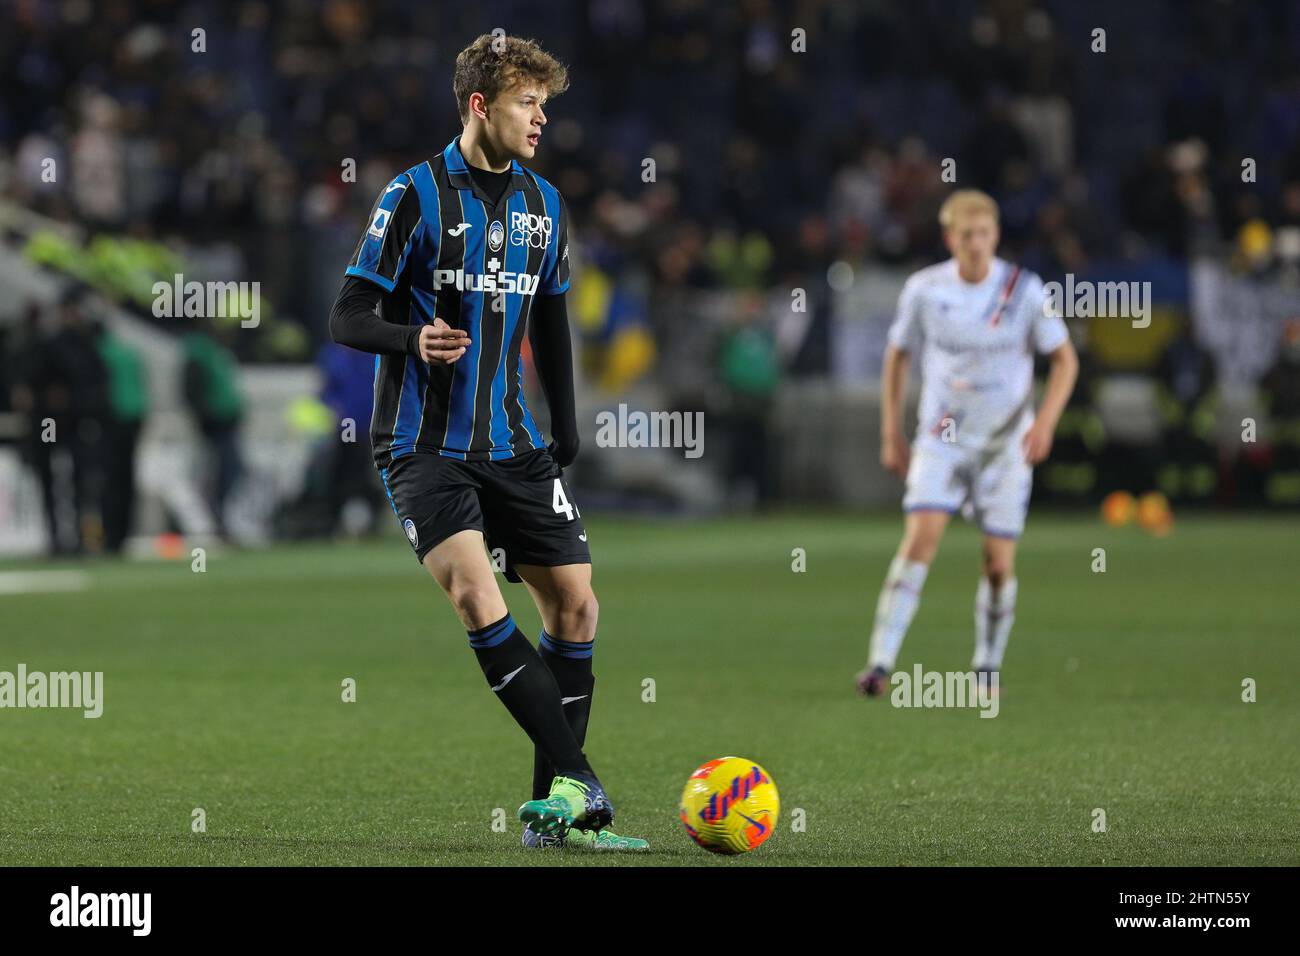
<point>711,154</point>
<point>769,164</point>
<point>82,395</point>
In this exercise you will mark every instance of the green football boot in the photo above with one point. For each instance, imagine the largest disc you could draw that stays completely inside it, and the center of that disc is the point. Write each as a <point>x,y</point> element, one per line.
<point>574,802</point>
<point>604,840</point>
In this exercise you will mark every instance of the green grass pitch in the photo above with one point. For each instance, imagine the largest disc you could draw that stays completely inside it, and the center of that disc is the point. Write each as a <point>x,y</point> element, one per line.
<point>1122,691</point>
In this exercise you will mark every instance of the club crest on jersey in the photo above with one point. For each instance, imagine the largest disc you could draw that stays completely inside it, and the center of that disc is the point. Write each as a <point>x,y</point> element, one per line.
<point>530,229</point>
<point>411,535</point>
<point>379,224</point>
<point>496,233</point>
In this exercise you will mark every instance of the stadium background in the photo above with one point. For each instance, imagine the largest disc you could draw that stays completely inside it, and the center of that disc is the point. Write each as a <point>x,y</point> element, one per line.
<point>775,172</point>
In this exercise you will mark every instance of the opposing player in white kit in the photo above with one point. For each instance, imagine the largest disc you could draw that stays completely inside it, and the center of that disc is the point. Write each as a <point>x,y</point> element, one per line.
<point>976,322</point>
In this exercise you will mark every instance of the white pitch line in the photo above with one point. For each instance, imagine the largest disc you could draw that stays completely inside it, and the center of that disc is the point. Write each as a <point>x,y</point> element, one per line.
<point>38,582</point>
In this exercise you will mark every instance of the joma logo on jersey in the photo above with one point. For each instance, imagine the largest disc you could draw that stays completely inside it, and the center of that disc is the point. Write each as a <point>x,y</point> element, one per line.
<point>530,229</point>
<point>520,282</point>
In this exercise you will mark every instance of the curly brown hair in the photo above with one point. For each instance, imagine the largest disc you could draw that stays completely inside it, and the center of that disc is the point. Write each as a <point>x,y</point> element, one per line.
<point>492,64</point>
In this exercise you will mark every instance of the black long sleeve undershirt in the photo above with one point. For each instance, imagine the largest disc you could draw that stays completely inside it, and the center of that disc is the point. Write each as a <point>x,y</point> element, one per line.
<point>356,321</point>
<point>548,333</point>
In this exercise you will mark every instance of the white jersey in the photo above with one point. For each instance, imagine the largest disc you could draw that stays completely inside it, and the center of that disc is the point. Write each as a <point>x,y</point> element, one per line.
<point>976,342</point>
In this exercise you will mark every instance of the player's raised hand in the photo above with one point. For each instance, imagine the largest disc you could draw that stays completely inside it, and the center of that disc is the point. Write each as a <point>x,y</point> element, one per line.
<point>894,453</point>
<point>440,344</point>
<point>1037,443</point>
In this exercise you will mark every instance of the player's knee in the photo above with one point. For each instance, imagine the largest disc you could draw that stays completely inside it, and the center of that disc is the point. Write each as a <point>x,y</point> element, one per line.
<point>473,602</point>
<point>921,548</point>
<point>577,611</point>
<point>998,570</point>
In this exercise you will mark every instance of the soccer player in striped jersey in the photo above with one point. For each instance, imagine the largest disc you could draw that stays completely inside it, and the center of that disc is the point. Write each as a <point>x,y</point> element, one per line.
<point>463,254</point>
<point>975,321</point>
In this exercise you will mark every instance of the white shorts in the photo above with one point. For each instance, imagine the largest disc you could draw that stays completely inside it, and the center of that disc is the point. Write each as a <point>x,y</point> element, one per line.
<point>990,488</point>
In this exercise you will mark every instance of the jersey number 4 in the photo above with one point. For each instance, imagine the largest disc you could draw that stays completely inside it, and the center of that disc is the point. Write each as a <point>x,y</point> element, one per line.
<point>561,504</point>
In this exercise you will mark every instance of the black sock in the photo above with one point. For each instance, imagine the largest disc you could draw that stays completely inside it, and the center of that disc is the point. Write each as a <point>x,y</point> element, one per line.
<point>570,662</point>
<point>526,686</point>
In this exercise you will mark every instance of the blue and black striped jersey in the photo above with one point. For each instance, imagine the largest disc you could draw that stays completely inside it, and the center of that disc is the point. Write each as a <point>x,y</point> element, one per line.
<point>439,249</point>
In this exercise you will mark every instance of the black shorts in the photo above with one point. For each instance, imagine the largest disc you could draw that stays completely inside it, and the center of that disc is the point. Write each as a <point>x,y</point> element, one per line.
<point>521,505</point>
